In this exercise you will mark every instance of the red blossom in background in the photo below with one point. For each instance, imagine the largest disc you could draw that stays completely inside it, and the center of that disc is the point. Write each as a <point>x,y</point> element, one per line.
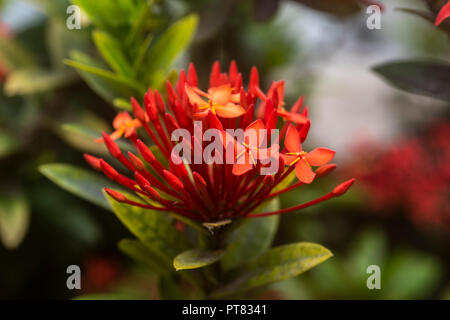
<point>413,175</point>
<point>443,14</point>
<point>4,33</point>
<point>210,192</point>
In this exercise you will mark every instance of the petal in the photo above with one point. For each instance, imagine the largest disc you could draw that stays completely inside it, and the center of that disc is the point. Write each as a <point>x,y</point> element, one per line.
<point>121,119</point>
<point>253,134</point>
<point>267,153</point>
<point>118,133</point>
<point>241,168</point>
<point>292,140</point>
<point>443,14</point>
<point>320,156</point>
<point>297,118</point>
<point>288,159</point>
<point>303,172</point>
<point>194,98</point>
<point>230,111</point>
<point>220,95</point>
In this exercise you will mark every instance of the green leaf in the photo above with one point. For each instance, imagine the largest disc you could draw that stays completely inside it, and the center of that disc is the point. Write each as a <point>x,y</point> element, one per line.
<point>107,84</point>
<point>82,137</point>
<point>14,220</point>
<point>108,14</point>
<point>139,252</point>
<point>122,104</point>
<point>61,41</point>
<point>167,48</point>
<point>112,53</point>
<point>23,82</point>
<point>286,182</point>
<point>154,229</point>
<point>428,78</point>
<point>278,264</point>
<point>81,182</point>
<point>13,56</point>
<point>168,289</point>
<point>8,144</point>
<point>251,239</point>
<point>196,258</point>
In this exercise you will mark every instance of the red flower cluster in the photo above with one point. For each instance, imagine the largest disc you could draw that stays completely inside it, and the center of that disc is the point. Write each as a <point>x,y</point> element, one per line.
<point>413,175</point>
<point>214,191</point>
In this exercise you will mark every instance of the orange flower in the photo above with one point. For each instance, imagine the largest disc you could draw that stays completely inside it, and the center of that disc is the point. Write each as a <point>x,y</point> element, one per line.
<point>220,100</point>
<point>250,150</point>
<point>124,125</point>
<point>304,161</point>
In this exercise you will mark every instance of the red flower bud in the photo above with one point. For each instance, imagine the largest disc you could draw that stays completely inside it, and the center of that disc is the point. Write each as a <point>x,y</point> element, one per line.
<point>343,187</point>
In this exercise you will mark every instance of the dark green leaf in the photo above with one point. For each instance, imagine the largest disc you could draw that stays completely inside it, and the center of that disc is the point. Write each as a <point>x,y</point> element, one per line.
<point>84,183</point>
<point>251,239</point>
<point>428,78</point>
<point>139,252</point>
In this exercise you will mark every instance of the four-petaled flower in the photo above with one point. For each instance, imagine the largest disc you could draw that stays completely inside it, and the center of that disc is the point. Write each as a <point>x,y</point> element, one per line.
<point>302,160</point>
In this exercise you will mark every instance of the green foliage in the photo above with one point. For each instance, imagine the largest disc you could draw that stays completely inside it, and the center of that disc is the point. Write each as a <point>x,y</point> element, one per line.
<point>8,144</point>
<point>196,258</point>
<point>251,239</point>
<point>428,78</point>
<point>14,219</point>
<point>154,229</point>
<point>124,39</point>
<point>173,41</point>
<point>24,82</point>
<point>81,182</point>
<point>277,264</point>
<point>138,251</point>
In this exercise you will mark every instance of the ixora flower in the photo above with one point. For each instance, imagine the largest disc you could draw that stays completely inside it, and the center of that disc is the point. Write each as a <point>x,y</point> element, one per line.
<point>215,191</point>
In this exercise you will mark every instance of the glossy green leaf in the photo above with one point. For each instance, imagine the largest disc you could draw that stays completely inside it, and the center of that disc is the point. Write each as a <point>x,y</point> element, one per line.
<point>84,183</point>
<point>278,264</point>
<point>107,84</point>
<point>251,239</point>
<point>154,229</point>
<point>428,78</point>
<point>168,47</point>
<point>112,53</point>
<point>23,82</point>
<point>196,258</point>
<point>14,219</point>
<point>139,252</point>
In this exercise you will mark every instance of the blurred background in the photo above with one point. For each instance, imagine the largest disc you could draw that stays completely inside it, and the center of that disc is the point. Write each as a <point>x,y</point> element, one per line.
<point>397,144</point>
